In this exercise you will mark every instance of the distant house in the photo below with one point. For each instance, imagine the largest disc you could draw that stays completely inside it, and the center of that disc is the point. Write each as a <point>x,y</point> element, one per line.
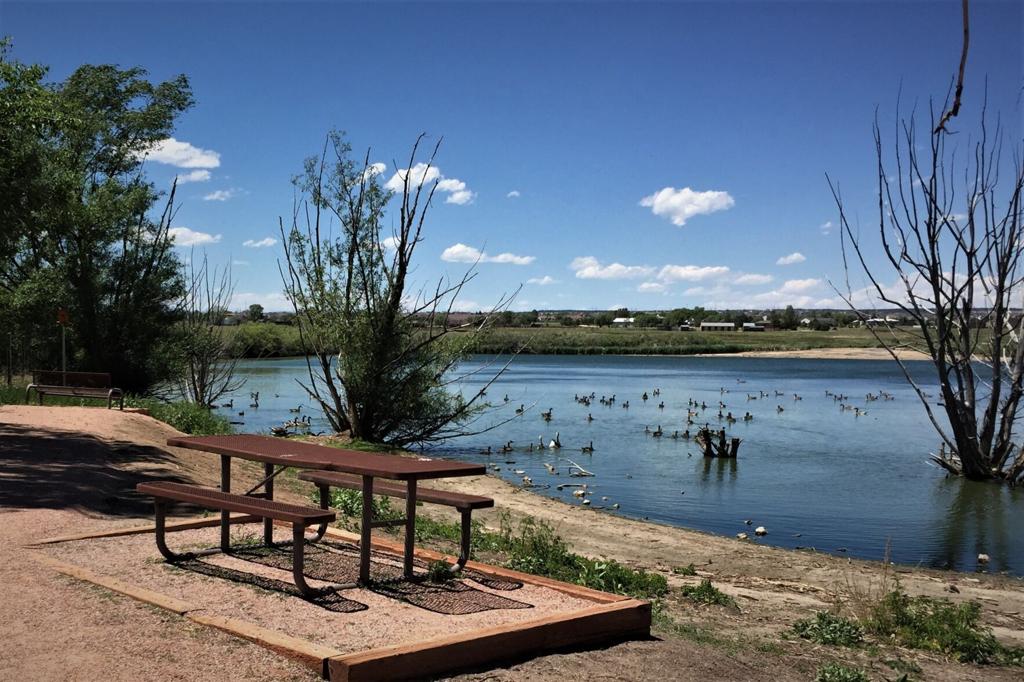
<point>623,321</point>
<point>881,321</point>
<point>685,328</point>
<point>752,327</point>
<point>717,326</point>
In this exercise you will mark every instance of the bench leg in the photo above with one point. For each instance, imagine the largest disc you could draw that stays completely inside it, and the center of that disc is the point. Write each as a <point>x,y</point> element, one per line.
<point>410,528</point>
<point>161,537</point>
<point>467,536</point>
<point>325,502</point>
<point>268,523</point>
<point>225,517</point>
<point>365,529</point>
<point>299,561</point>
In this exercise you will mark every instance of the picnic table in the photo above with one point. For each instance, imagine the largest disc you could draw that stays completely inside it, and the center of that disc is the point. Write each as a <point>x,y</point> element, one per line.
<point>278,454</point>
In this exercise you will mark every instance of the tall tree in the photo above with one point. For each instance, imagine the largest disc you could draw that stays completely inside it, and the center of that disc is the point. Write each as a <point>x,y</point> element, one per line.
<point>382,353</point>
<point>956,258</point>
<point>76,209</point>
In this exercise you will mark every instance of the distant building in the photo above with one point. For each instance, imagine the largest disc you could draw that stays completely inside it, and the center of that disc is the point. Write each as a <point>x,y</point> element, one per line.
<point>717,326</point>
<point>752,327</point>
<point>623,321</point>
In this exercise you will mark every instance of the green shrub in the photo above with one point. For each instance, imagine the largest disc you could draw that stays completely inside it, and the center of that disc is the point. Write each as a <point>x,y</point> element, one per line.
<point>938,625</point>
<point>835,672</point>
<point>439,572</point>
<point>706,593</point>
<point>350,503</point>
<point>186,417</point>
<point>689,570</point>
<point>829,628</point>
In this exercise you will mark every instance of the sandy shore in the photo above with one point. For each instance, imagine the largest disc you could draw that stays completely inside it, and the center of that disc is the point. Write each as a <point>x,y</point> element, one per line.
<point>826,354</point>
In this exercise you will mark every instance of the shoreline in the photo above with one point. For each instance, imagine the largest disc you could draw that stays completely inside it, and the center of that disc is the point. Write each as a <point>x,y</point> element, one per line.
<point>825,354</point>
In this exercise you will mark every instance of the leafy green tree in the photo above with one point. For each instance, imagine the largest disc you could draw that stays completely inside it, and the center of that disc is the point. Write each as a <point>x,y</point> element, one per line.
<point>389,381</point>
<point>255,312</point>
<point>785,319</point>
<point>76,209</point>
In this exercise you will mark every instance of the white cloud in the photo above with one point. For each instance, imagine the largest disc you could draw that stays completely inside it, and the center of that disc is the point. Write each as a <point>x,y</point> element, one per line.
<point>679,205</point>
<point>193,176</point>
<point>542,281</point>
<point>461,253</point>
<point>184,236</point>
<point>588,267</point>
<point>182,154</point>
<point>651,287</point>
<point>390,243</point>
<point>421,174</point>
<point>691,273</point>
<point>220,195</point>
<point>466,306</point>
<point>791,286</point>
<point>753,278</point>
<point>513,194</point>
<point>271,301</point>
<point>826,227</point>
<point>374,169</point>
<point>240,262</point>
<point>791,259</point>
<point>259,244</point>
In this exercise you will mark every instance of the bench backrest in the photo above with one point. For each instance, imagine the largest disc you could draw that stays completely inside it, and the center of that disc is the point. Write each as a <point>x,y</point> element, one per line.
<point>76,379</point>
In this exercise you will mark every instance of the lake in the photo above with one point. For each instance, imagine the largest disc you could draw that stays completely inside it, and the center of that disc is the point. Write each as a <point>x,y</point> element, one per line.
<point>814,475</point>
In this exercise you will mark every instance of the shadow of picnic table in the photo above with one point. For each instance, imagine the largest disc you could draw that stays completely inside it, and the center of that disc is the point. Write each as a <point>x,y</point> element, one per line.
<point>41,469</point>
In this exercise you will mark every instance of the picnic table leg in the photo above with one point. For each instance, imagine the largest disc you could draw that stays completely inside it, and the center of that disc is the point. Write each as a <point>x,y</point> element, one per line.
<point>225,516</point>
<point>410,527</point>
<point>365,529</point>
<point>268,524</point>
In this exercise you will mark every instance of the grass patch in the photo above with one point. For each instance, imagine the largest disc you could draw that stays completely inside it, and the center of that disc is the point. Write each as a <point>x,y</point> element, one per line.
<point>186,417</point>
<point>836,672</point>
<point>831,629</point>
<point>689,570</point>
<point>706,593</point>
<point>940,625</point>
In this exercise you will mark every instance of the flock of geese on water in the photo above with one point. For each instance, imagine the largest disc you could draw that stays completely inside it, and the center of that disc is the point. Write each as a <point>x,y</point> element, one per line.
<point>300,422</point>
<point>694,410</point>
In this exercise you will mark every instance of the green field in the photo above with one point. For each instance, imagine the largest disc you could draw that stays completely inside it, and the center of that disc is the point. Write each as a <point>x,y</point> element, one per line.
<point>613,341</point>
<point>262,340</point>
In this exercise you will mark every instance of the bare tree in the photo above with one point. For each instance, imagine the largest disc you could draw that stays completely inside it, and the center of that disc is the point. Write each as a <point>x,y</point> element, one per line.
<point>207,368</point>
<point>956,259</point>
<point>382,359</point>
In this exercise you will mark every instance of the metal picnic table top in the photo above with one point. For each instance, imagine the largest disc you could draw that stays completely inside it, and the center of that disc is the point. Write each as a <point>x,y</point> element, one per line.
<point>284,452</point>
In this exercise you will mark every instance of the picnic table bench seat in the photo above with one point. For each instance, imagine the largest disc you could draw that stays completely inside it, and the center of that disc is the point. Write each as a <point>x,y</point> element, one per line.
<point>299,516</point>
<point>464,503</point>
<point>94,385</point>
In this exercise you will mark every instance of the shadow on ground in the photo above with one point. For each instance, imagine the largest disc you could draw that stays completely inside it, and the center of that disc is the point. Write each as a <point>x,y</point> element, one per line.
<point>69,470</point>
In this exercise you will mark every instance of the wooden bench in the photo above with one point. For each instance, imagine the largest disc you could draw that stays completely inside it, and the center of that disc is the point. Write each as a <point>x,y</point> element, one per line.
<point>95,385</point>
<point>300,517</point>
<point>325,480</point>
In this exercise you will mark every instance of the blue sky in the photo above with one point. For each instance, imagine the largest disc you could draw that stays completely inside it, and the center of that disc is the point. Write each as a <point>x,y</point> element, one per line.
<point>645,155</point>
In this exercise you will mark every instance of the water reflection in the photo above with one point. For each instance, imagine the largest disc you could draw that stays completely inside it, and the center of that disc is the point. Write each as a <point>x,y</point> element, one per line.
<point>721,468</point>
<point>972,520</point>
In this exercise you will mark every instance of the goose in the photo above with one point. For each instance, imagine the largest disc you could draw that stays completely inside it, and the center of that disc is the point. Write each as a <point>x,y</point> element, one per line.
<point>657,433</point>
<point>748,417</point>
<point>647,428</point>
<point>540,445</point>
<point>486,451</point>
<point>295,410</point>
<point>780,408</point>
<point>520,409</point>
<point>556,444</point>
<point>625,405</point>
<point>547,415</point>
<point>590,417</point>
<point>254,404</point>
<point>506,397</point>
<point>527,481</point>
<point>242,413</point>
<point>588,449</point>
<point>661,405</point>
<point>644,396</point>
<point>551,469</point>
<point>229,404</point>
<point>507,447</point>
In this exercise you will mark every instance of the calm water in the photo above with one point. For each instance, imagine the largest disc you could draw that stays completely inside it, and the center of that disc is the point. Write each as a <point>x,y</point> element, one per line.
<point>813,475</point>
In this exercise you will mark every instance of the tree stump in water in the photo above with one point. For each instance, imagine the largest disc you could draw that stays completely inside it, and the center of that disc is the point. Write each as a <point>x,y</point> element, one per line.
<point>722,448</point>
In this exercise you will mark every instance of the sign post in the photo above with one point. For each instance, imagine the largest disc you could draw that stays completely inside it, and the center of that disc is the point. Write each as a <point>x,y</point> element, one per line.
<point>62,320</point>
